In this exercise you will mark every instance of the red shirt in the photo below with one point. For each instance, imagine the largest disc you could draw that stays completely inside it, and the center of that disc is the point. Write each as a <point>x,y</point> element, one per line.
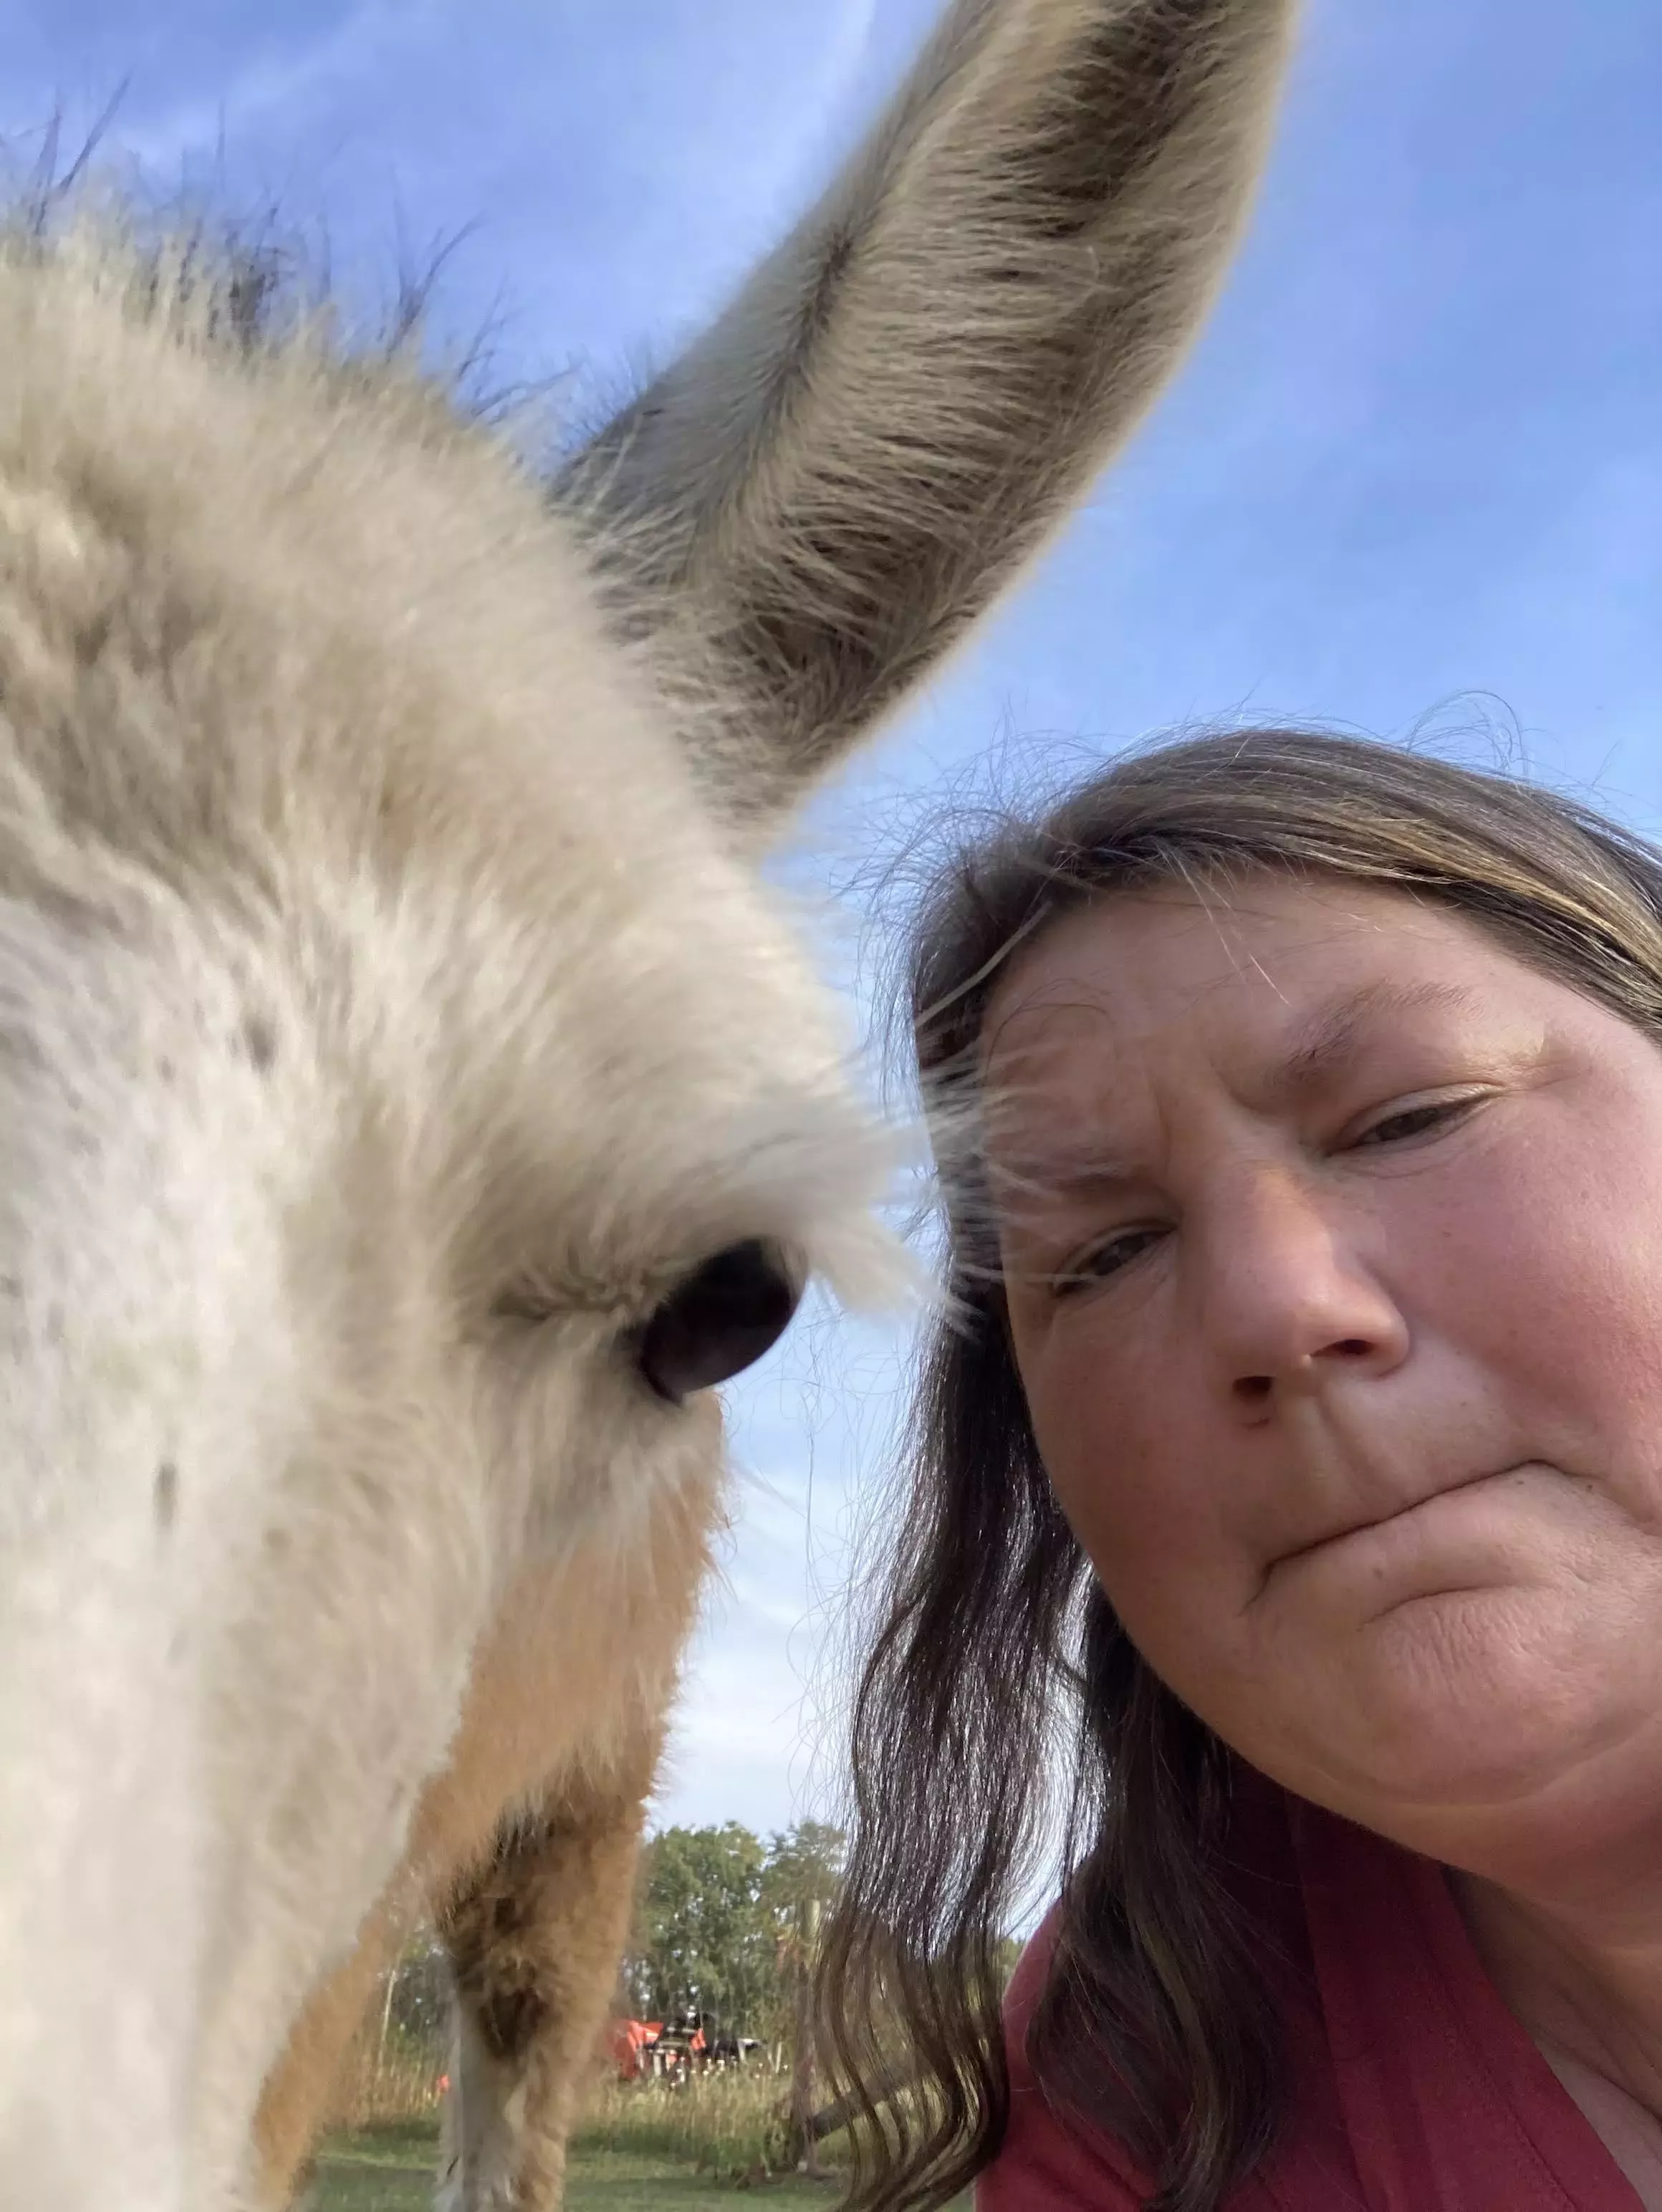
<point>1411,2086</point>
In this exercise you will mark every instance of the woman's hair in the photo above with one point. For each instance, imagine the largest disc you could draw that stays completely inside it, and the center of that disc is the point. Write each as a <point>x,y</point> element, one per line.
<point>996,1649</point>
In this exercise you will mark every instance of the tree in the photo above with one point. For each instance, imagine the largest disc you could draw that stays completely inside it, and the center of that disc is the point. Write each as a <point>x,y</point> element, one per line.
<point>701,1936</point>
<point>804,1867</point>
<point>719,1922</point>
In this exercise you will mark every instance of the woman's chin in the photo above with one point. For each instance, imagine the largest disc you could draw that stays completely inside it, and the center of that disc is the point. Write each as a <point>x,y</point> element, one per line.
<point>1461,1701</point>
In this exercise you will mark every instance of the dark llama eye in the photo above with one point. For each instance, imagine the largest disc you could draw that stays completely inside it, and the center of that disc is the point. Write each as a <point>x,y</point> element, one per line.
<point>719,1321</point>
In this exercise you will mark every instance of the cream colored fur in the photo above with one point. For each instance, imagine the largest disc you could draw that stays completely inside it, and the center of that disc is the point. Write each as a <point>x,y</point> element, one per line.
<point>391,1016</point>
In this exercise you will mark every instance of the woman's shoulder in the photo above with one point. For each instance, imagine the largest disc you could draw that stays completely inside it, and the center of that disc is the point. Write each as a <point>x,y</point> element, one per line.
<point>1053,2160</point>
<point>1406,2080</point>
<point>1049,2160</point>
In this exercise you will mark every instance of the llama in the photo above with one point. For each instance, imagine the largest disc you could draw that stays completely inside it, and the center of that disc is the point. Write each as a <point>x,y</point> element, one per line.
<point>414,1102</point>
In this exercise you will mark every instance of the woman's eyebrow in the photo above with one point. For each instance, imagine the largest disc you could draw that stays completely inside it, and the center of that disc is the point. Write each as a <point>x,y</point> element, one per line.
<point>1083,1168</point>
<point>1320,1047</point>
<point>1334,1034</point>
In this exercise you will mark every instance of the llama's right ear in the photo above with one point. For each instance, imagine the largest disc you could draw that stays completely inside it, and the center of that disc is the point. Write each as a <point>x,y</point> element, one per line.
<point>812,505</point>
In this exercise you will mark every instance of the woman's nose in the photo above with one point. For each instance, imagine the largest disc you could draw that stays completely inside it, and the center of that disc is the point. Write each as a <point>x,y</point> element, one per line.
<point>1289,1304</point>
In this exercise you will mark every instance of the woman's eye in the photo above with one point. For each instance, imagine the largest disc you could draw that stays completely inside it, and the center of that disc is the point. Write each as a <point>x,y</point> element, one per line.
<point>1416,1120</point>
<point>1103,1260</point>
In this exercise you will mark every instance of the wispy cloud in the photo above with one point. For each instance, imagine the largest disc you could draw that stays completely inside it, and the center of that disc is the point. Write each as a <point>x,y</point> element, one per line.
<point>276,88</point>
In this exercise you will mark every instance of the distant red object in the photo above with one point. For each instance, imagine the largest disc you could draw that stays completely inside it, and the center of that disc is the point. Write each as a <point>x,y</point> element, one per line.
<point>626,2039</point>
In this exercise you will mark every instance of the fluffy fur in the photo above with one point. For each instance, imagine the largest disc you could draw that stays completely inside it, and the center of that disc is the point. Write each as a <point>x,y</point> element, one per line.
<point>391,1015</point>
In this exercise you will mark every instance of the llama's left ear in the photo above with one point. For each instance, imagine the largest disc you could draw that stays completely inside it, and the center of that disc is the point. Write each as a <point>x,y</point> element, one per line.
<point>811,506</point>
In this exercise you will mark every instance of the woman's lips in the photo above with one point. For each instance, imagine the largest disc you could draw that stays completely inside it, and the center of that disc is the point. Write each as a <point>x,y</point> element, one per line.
<point>1374,1517</point>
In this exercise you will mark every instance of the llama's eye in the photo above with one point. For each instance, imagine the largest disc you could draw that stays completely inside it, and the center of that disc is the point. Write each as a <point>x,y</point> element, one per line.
<point>719,1321</point>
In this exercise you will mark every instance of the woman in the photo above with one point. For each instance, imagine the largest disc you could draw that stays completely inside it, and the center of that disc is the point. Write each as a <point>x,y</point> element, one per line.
<point>1292,1458</point>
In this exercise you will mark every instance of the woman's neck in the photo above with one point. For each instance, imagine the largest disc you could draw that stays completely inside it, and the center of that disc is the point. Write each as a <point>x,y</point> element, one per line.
<point>1586,1981</point>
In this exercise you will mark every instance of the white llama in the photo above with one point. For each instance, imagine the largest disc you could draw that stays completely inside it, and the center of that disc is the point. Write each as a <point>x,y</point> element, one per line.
<point>413,1100</point>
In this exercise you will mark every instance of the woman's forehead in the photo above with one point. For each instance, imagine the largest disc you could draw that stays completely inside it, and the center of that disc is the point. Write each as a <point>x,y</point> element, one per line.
<point>1279,969</point>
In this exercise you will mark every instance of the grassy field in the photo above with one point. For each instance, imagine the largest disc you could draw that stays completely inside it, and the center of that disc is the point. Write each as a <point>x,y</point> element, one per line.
<point>391,2170</point>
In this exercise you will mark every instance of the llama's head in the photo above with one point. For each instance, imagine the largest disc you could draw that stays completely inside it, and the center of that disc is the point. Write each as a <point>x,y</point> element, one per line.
<point>412,1101</point>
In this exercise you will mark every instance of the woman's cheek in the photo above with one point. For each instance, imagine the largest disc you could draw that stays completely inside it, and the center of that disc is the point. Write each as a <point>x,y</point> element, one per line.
<point>1132,1486</point>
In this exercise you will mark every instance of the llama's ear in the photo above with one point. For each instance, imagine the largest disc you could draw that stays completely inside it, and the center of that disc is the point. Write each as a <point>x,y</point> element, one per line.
<point>809,507</point>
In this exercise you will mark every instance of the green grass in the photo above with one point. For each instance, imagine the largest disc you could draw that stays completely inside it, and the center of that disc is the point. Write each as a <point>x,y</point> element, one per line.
<point>386,2169</point>
<point>390,2169</point>
<point>731,2127</point>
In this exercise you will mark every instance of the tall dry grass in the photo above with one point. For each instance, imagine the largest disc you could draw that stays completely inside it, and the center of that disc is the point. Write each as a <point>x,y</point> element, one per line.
<point>733,2126</point>
<point>389,2078</point>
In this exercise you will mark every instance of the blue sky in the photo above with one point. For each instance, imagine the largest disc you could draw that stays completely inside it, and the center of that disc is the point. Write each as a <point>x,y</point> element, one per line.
<point>1411,476</point>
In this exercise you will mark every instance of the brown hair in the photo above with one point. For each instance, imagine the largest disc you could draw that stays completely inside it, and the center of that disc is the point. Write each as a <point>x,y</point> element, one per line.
<point>995,1646</point>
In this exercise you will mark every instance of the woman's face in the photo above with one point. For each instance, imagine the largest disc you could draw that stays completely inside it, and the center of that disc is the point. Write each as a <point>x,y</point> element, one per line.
<point>1332,1238</point>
